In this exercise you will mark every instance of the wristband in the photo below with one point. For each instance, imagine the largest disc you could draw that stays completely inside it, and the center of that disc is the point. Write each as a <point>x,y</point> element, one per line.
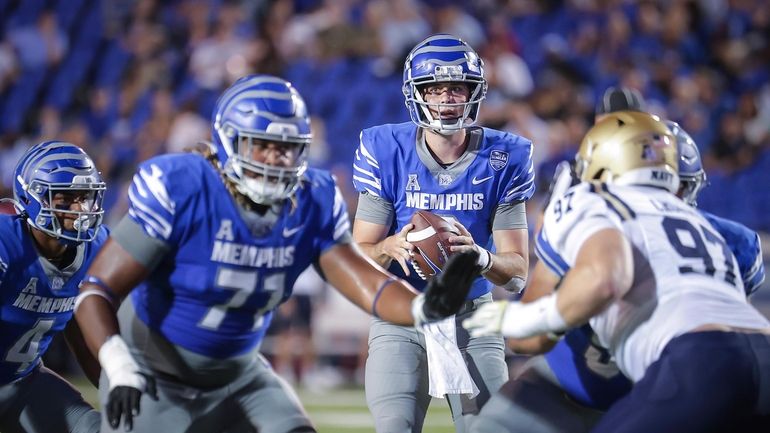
<point>418,311</point>
<point>92,292</point>
<point>515,285</point>
<point>485,259</point>
<point>377,296</point>
<point>118,364</point>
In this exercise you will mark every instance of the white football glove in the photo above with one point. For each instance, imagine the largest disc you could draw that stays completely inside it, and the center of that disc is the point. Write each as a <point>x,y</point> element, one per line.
<point>517,320</point>
<point>487,319</point>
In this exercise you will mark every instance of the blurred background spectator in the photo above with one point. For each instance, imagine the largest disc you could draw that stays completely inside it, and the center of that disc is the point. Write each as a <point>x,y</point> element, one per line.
<point>129,79</point>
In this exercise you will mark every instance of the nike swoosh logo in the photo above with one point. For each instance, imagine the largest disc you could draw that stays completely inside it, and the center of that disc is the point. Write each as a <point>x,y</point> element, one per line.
<point>290,232</point>
<point>482,180</point>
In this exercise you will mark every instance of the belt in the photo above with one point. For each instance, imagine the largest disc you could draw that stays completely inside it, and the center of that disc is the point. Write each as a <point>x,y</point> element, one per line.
<point>472,304</point>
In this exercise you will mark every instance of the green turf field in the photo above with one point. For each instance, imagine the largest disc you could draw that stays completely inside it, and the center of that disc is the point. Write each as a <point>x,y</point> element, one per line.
<point>338,410</point>
<point>345,411</point>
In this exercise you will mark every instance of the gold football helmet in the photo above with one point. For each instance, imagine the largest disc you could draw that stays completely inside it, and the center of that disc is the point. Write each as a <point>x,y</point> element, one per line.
<point>629,147</point>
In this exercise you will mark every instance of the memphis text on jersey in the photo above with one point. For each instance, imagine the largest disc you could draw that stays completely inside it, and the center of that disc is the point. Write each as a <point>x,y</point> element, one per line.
<point>450,201</point>
<point>29,300</point>
<point>232,253</point>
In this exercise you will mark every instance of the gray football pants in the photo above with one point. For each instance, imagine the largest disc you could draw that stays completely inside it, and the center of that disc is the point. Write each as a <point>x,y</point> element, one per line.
<point>253,400</point>
<point>396,380</point>
<point>257,402</point>
<point>43,402</point>
<point>533,402</point>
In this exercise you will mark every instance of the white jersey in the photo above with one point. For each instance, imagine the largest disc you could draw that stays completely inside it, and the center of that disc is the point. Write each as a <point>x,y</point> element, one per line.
<point>685,275</point>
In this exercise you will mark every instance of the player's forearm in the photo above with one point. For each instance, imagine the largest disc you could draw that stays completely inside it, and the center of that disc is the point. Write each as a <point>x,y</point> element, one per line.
<point>84,356</point>
<point>112,275</point>
<point>96,318</point>
<point>375,252</point>
<point>508,270</point>
<point>367,285</point>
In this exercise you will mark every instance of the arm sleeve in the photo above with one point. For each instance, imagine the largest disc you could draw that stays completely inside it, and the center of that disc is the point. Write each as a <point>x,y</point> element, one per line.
<point>755,275</point>
<point>374,209</point>
<point>510,216</point>
<point>143,248</point>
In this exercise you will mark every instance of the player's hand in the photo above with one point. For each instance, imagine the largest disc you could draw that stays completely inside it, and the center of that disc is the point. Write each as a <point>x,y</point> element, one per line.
<point>487,319</point>
<point>447,291</point>
<point>123,401</point>
<point>462,242</point>
<point>397,248</point>
<point>127,382</point>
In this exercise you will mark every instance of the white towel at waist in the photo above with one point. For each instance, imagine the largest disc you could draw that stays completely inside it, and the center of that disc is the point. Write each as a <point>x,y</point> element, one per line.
<point>447,372</point>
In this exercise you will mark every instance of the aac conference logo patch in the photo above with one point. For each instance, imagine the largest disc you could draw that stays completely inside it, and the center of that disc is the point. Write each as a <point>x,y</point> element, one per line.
<point>498,159</point>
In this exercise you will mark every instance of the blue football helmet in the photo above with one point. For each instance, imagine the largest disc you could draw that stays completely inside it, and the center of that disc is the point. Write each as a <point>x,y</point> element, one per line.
<point>443,58</point>
<point>692,177</point>
<point>254,111</point>
<point>55,167</point>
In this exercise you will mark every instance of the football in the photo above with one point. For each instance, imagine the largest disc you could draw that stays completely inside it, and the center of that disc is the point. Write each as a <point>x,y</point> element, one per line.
<point>430,238</point>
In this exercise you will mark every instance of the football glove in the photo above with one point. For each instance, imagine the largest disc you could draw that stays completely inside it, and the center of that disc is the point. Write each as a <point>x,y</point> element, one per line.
<point>447,291</point>
<point>127,382</point>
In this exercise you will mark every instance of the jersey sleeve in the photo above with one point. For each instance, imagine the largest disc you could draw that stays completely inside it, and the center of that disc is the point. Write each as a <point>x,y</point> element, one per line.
<point>521,184</point>
<point>4,259</point>
<point>564,178</point>
<point>745,246</point>
<point>335,223</point>
<point>150,202</point>
<point>568,222</point>
<point>754,273</point>
<point>367,177</point>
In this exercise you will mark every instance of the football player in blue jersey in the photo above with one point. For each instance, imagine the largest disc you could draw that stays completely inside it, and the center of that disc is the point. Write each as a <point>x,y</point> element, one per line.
<point>478,179</point>
<point>212,243</point>
<point>657,284</point>
<point>45,250</point>
<point>743,241</point>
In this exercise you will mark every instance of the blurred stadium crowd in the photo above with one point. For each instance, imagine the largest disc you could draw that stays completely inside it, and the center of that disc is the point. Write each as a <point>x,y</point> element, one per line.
<point>129,79</point>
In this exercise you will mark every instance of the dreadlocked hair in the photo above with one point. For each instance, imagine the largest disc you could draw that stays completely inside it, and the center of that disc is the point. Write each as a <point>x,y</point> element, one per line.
<point>209,152</point>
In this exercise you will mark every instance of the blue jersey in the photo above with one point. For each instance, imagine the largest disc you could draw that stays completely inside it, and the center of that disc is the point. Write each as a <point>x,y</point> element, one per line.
<point>34,307</point>
<point>585,369</point>
<point>214,292</point>
<point>744,243</point>
<point>499,171</point>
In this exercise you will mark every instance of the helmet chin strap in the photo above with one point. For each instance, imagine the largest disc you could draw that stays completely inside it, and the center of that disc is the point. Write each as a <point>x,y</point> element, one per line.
<point>445,132</point>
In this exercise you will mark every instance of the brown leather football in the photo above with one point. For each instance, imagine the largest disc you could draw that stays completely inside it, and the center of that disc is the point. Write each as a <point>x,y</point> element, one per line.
<point>430,237</point>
